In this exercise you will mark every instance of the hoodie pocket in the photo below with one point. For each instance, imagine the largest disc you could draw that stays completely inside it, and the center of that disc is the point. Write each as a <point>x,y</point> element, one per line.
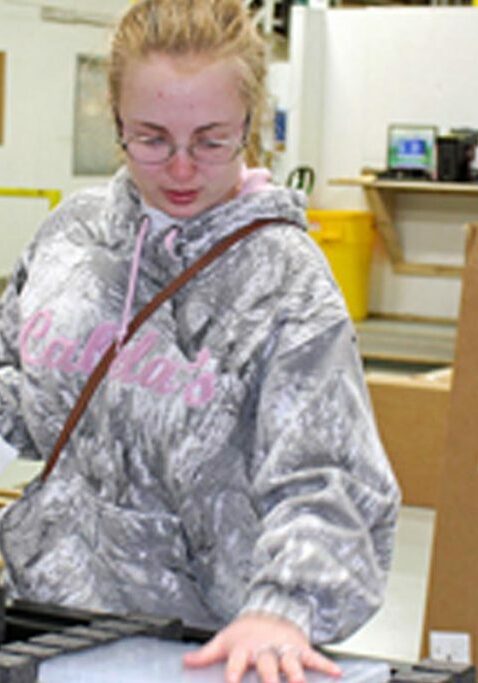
<point>63,544</point>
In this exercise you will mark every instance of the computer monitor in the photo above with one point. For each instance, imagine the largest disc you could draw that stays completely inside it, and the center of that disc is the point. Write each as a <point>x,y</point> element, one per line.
<point>411,150</point>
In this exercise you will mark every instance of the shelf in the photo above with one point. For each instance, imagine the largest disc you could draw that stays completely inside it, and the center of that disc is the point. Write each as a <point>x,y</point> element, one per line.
<point>405,343</point>
<point>423,186</point>
<point>381,194</point>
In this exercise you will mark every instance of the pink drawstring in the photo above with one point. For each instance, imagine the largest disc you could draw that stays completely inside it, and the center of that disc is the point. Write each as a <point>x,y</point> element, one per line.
<point>169,241</point>
<point>133,276</point>
<point>251,180</point>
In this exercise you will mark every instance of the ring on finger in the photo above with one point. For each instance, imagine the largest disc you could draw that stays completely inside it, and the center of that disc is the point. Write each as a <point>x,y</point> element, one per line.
<point>266,648</point>
<point>288,649</point>
<point>278,651</point>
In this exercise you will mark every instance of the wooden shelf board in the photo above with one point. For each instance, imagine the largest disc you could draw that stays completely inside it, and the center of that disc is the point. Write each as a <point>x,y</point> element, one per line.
<point>437,187</point>
<point>406,341</point>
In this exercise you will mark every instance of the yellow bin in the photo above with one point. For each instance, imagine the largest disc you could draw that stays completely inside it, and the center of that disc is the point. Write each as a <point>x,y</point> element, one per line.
<point>346,238</point>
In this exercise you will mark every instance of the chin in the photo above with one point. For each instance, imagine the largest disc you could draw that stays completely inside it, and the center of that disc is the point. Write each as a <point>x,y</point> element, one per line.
<point>189,210</point>
<point>182,211</point>
<point>173,210</point>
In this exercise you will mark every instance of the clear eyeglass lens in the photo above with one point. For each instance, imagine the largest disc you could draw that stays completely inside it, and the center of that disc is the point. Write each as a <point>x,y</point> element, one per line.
<point>149,150</point>
<point>214,151</point>
<point>158,150</point>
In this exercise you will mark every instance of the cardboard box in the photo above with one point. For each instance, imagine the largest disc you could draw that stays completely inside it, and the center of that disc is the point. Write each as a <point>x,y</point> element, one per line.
<point>452,601</point>
<point>411,413</point>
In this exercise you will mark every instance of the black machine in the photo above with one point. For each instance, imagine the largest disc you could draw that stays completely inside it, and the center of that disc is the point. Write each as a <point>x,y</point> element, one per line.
<point>455,155</point>
<point>34,636</point>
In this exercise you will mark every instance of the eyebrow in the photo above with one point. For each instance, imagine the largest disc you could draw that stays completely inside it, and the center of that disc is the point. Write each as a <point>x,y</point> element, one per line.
<point>201,129</point>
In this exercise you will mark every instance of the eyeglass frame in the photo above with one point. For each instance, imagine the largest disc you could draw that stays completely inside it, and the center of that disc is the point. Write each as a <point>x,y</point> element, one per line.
<point>174,147</point>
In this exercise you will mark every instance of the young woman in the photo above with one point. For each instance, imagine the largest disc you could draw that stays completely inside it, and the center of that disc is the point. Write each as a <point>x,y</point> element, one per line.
<point>227,470</point>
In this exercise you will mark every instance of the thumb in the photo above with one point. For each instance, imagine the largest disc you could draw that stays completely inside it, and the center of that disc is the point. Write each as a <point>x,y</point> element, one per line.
<point>214,651</point>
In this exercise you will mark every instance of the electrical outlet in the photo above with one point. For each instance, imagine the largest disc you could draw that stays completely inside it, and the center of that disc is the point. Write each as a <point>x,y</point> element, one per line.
<point>450,646</point>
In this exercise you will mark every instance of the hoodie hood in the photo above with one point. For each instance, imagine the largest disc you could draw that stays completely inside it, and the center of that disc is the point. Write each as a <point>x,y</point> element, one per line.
<point>194,236</point>
<point>184,240</point>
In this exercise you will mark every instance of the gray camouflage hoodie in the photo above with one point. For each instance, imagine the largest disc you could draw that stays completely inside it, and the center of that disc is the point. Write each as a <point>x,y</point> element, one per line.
<point>229,461</point>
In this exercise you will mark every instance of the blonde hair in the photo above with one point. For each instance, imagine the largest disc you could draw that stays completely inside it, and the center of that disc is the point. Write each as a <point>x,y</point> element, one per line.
<point>217,29</point>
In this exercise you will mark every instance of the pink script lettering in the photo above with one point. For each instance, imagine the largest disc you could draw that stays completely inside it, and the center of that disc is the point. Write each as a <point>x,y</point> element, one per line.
<point>133,364</point>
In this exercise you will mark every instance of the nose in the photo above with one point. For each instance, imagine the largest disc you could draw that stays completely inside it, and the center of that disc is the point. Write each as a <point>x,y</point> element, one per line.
<point>181,165</point>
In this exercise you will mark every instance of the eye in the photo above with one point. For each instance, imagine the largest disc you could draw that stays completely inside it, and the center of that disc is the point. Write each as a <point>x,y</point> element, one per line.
<point>154,142</point>
<point>212,143</point>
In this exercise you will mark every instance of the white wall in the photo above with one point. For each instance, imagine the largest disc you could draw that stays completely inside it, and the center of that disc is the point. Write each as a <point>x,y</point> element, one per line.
<point>40,82</point>
<point>382,65</point>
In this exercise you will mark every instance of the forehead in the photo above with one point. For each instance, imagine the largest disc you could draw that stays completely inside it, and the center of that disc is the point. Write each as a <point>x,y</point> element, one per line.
<point>166,89</point>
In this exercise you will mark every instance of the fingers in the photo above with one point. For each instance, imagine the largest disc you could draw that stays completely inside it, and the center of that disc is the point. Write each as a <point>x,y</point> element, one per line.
<point>237,665</point>
<point>268,660</point>
<point>291,662</point>
<point>267,665</point>
<point>211,653</point>
<point>313,659</point>
<point>291,666</point>
<point>271,646</point>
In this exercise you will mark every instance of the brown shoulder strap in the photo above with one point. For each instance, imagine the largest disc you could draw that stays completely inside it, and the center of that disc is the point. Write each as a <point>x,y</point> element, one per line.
<point>101,369</point>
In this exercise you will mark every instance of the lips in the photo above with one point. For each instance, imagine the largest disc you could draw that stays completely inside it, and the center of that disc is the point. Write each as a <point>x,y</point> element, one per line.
<point>181,197</point>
